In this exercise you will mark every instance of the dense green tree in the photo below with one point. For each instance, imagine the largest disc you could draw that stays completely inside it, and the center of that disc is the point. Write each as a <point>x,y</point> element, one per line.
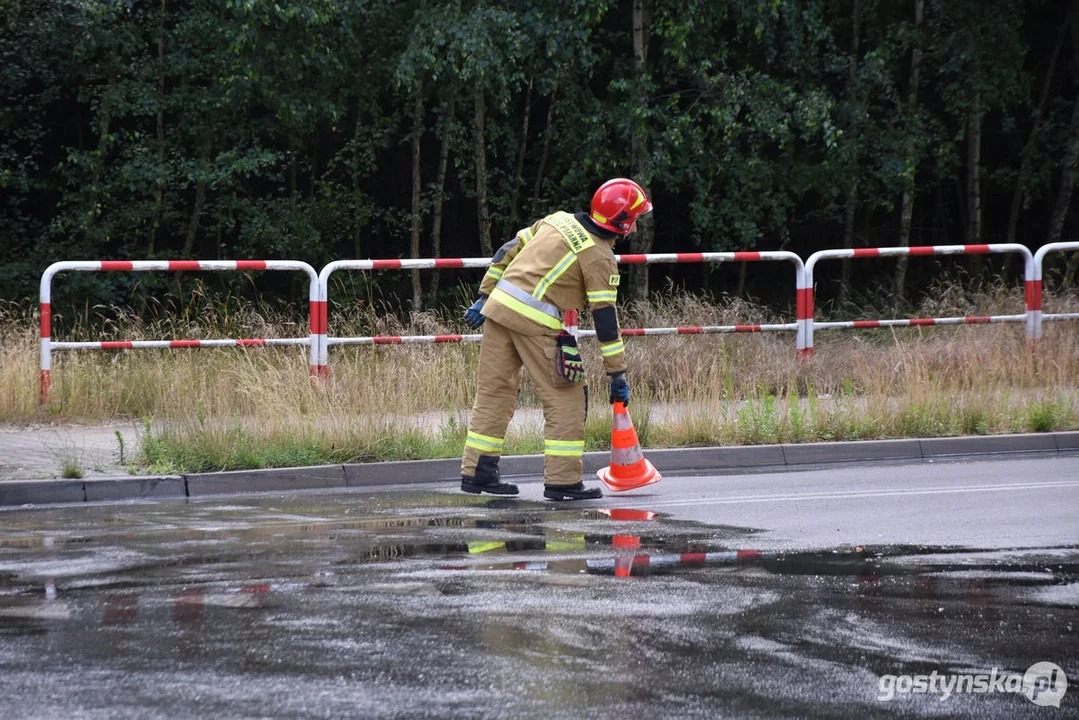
<point>320,129</point>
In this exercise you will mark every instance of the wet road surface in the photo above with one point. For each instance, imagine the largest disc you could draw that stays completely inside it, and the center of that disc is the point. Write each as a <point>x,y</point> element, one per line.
<point>765,595</point>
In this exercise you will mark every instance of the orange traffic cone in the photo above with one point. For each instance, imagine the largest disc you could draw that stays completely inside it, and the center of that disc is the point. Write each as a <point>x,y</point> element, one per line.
<point>628,469</point>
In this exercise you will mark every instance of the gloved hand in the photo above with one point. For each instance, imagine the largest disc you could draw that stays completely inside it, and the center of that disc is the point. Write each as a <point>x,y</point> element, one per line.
<point>620,389</point>
<point>569,363</point>
<point>474,315</point>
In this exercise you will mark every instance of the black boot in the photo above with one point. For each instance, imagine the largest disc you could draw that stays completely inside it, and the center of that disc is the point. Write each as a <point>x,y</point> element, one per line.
<point>488,479</point>
<point>571,492</point>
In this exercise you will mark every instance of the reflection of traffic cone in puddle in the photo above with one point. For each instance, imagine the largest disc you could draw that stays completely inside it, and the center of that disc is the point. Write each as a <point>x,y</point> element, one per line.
<point>628,514</point>
<point>628,469</point>
<point>625,547</point>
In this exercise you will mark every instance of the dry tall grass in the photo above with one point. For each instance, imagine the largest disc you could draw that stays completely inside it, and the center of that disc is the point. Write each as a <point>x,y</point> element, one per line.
<point>254,407</point>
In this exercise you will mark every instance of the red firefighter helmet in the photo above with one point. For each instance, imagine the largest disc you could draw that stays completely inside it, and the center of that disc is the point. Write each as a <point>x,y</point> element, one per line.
<point>617,204</point>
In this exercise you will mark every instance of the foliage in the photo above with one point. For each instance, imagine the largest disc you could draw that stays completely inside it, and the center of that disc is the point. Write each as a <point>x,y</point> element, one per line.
<point>247,129</point>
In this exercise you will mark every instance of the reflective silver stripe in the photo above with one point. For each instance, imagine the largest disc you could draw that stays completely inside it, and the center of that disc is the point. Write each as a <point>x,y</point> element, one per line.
<point>483,442</point>
<point>564,448</point>
<point>612,348</point>
<point>520,295</point>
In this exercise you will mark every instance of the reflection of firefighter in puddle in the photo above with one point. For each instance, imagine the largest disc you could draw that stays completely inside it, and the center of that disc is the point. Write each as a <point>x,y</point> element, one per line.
<point>553,541</point>
<point>549,268</point>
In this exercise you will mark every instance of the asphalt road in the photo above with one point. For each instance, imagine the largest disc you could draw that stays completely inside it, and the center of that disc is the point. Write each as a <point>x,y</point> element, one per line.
<point>826,593</point>
<point>981,504</point>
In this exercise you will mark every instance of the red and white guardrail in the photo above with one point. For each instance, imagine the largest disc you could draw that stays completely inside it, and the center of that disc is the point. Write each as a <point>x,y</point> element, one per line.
<point>325,341</point>
<point>48,345</point>
<point>319,341</point>
<point>805,297</point>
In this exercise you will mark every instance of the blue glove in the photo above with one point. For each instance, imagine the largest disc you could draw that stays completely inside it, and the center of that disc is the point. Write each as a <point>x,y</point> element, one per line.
<point>474,315</point>
<point>620,389</point>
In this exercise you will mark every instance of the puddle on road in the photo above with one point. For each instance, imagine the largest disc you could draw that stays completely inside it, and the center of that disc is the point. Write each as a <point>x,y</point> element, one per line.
<point>242,557</point>
<point>436,590</point>
<point>477,533</point>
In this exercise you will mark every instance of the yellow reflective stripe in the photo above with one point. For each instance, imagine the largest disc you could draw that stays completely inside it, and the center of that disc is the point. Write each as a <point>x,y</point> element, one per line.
<point>613,348</point>
<point>640,198</point>
<point>574,543</point>
<point>599,218</point>
<point>525,235</point>
<point>553,274</point>
<point>563,448</point>
<point>495,273</point>
<point>529,312</point>
<point>602,296</point>
<point>482,547</point>
<point>483,442</point>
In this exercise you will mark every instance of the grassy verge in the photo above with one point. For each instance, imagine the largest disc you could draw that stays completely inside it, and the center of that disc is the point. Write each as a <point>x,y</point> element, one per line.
<point>256,407</point>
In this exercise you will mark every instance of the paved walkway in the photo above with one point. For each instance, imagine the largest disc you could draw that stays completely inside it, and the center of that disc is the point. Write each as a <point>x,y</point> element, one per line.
<point>40,452</point>
<point>44,452</point>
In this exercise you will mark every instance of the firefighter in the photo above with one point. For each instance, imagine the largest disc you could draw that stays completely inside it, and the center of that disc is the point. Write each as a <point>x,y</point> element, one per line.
<point>553,266</point>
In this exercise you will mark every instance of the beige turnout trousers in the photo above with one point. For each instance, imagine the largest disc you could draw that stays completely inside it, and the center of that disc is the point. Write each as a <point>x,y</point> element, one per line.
<point>503,354</point>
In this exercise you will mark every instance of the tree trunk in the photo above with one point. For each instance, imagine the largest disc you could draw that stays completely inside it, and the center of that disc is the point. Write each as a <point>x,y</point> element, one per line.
<point>417,188</point>
<point>548,131</point>
<point>848,242</point>
<point>519,165</point>
<point>294,175</point>
<point>964,208</point>
<point>974,172</point>
<point>852,192</point>
<point>1064,194</point>
<point>159,185</point>
<point>99,161</point>
<point>312,187</point>
<point>643,239</point>
<point>440,185</point>
<point>359,218</point>
<point>743,271</point>
<point>940,223</point>
<point>1028,149</point>
<point>196,218</point>
<point>196,212</point>
<point>358,222</point>
<point>193,227</point>
<point>907,212</point>
<point>1071,156</point>
<point>482,212</point>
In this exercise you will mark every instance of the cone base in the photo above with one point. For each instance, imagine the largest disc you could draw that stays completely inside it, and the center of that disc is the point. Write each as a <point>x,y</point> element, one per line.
<point>648,475</point>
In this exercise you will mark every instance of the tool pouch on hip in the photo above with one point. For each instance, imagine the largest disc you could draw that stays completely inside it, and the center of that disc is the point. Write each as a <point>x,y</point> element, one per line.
<point>568,362</point>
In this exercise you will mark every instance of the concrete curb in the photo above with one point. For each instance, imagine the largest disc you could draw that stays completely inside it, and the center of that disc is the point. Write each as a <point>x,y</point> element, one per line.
<point>671,461</point>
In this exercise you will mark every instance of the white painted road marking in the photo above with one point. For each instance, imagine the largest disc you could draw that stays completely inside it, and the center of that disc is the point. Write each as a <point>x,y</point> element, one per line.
<point>852,494</point>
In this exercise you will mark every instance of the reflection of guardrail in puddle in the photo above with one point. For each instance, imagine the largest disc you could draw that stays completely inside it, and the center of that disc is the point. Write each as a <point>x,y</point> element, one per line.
<point>625,564</point>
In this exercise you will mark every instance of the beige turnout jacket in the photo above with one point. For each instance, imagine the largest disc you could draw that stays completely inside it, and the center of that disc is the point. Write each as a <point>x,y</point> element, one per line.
<point>553,266</point>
